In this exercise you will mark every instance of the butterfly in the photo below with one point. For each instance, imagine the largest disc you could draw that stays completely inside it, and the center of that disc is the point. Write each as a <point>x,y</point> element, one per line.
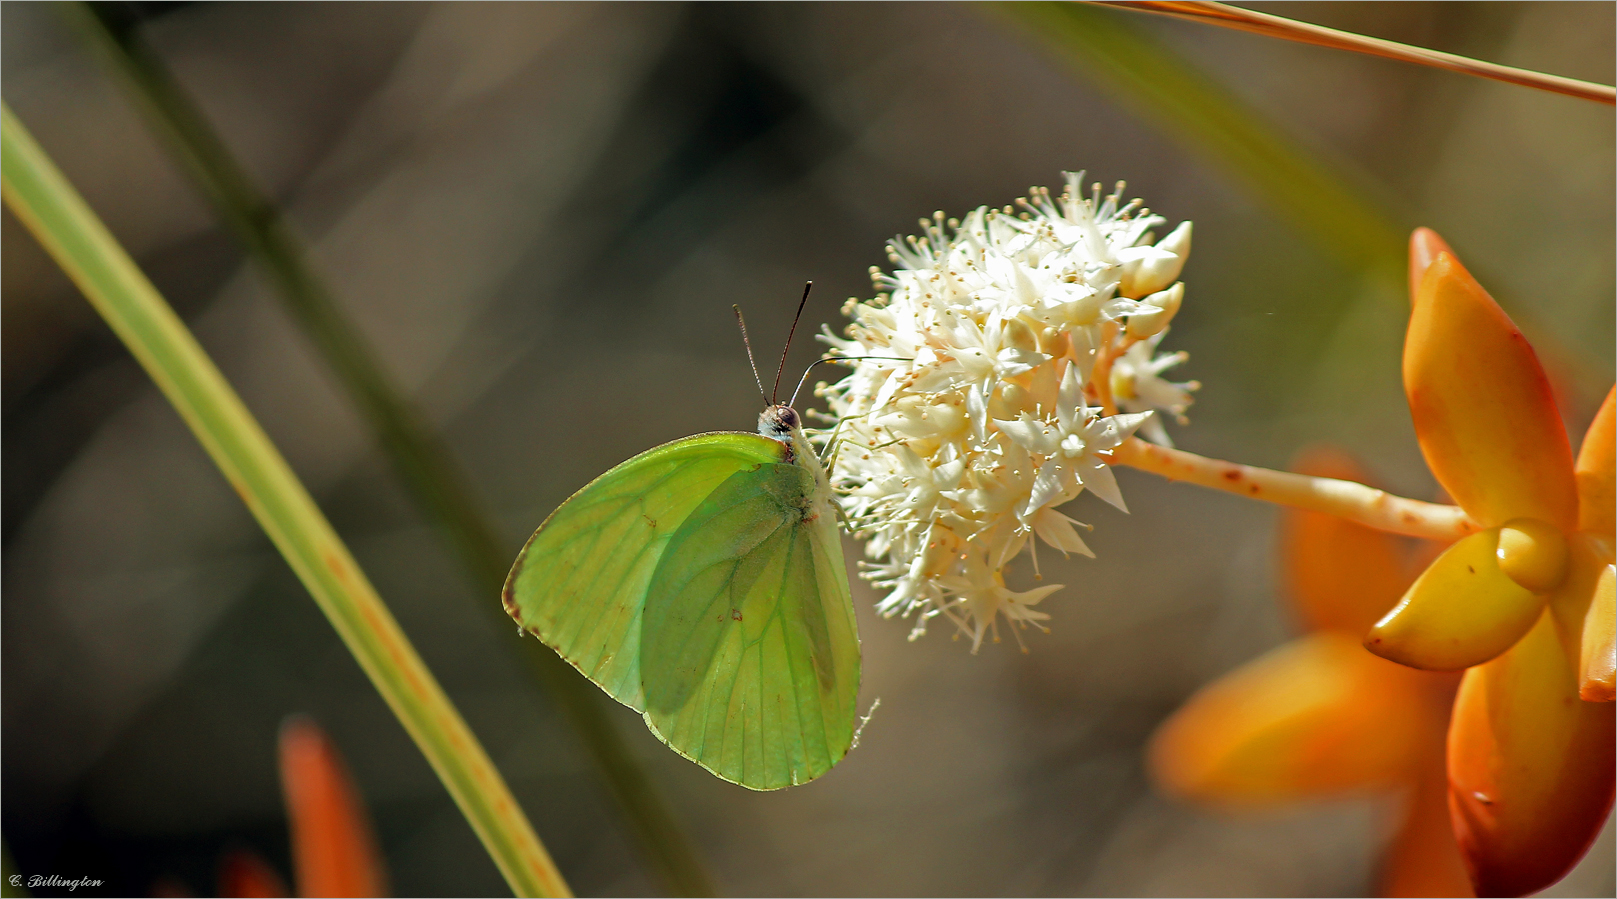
<point>702,584</point>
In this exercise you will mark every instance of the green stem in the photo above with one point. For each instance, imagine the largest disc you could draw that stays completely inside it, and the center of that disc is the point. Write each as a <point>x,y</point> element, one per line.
<point>1316,197</point>
<point>419,457</point>
<point>59,218</point>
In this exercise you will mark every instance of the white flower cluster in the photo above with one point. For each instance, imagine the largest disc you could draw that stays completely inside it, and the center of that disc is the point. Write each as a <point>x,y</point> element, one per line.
<point>1013,341</point>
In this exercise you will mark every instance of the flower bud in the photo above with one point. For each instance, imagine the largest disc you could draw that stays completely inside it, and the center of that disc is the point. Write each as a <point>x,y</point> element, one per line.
<point>1532,554</point>
<point>1177,242</point>
<point>1161,307</point>
<point>1150,269</point>
<point>1011,400</point>
<point>1020,336</point>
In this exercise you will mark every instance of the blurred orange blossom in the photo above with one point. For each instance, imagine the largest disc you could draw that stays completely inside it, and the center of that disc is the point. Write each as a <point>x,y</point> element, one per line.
<point>1319,717</point>
<point>334,852</point>
<point>1524,606</point>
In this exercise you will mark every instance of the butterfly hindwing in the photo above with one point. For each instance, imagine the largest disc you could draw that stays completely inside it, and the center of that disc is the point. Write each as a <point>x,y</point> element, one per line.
<point>580,583</point>
<point>702,584</point>
<point>749,651</point>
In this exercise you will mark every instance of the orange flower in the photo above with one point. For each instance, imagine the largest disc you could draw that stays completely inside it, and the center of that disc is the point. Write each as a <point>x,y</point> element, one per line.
<point>332,846</point>
<point>245,875</point>
<point>1320,716</point>
<point>333,850</point>
<point>1526,603</point>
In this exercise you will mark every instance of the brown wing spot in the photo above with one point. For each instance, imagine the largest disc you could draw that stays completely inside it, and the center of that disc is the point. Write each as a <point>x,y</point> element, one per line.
<point>735,614</point>
<point>508,598</point>
<point>649,520</point>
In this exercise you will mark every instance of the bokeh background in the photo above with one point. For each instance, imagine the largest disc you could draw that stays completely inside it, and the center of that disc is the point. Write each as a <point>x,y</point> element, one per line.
<point>540,214</point>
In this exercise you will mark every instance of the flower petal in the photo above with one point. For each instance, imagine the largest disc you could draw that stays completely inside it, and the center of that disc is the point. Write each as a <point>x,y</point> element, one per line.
<point>1482,407</point>
<point>1598,655</point>
<point>1424,245</point>
<point>1530,766</point>
<point>1423,858</point>
<point>333,850</point>
<point>245,875</point>
<point>1056,529</point>
<point>1596,494</point>
<point>1461,611</point>
<point>1339,575</point>
<point>1097,478</point>
<point>1316,716</point>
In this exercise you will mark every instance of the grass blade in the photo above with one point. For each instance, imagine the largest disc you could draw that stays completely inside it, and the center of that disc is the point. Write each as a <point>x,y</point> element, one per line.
<point>1227,16</point>
<point>1313,196</point>
<point>59,218</point>
<point>418,457</point>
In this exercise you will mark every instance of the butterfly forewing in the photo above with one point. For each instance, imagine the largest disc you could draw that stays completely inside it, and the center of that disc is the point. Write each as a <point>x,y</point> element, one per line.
<point>580,583</point>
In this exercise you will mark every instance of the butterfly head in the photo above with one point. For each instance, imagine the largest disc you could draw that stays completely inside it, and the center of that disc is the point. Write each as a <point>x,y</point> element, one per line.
<point>778,422</point>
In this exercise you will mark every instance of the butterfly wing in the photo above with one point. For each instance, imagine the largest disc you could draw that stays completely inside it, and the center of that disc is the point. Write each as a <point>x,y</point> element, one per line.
<point>749,650</point>
<point>580,583</point>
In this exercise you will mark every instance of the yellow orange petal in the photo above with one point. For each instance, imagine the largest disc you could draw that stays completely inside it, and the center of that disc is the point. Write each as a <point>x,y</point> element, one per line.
<point>1339,575</point>
<point>245,875</point>
<point>1424,245</point>
<point>1423,858</point>
<point>1596,494</point>
<point>1461,611</point>
<point>1482,406</point>
<point>1598,653</point>
<point>1314,717</point>
<point>1530,766</point>
<point>333,850</point>
<point>1583,609</point>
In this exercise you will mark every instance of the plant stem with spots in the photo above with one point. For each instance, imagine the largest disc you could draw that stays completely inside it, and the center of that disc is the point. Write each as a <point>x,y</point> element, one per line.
<point>1346,499</point>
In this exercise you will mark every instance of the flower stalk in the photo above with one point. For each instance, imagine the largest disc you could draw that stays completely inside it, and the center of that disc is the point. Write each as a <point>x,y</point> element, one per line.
<point>1227,16</point>
<point>1345,499</point>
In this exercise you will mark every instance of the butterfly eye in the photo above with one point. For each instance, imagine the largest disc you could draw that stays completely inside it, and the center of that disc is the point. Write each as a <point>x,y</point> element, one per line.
<point>787,417</point>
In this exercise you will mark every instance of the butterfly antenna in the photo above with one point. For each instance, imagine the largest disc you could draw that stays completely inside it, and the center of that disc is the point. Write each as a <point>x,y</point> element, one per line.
<point>748,344</point>
<point>807,286</point>
<point>830,359</point>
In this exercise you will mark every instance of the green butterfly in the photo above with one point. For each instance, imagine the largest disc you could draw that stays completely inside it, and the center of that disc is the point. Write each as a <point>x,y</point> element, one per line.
<point>701,583</point>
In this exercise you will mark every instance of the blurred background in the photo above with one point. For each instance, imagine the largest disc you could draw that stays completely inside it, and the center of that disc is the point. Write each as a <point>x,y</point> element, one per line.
<point>540,215</point>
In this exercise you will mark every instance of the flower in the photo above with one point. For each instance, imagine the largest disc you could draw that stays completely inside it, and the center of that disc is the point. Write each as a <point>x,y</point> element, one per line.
<point>1320,716</point>
<point>1523,605</point>
<point>982,394</point>
<point>334,849</point>
<point>1138,387</point>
